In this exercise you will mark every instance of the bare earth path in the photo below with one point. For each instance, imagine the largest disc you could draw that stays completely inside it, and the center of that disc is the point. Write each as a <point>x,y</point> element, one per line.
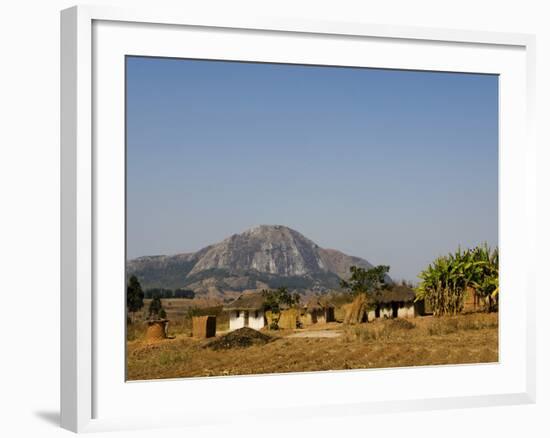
<point>316,334</point>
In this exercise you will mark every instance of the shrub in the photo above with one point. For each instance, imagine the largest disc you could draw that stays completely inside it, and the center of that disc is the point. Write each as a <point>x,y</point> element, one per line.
<point>379,330</point>
<point>475,321</point>
<point>402,324</point>
<point>442,327</point>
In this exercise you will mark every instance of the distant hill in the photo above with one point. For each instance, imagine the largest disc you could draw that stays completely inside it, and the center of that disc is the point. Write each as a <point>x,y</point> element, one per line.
<point>266,256</point>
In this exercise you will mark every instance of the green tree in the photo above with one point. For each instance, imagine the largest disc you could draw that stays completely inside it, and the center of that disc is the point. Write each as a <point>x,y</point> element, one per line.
<point>366,281</point>
<point>275,300</point>
<point>155,307</point>
<point>134,296</point>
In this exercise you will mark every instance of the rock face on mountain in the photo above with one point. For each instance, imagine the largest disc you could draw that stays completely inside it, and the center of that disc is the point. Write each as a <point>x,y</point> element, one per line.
<point>266,256</point>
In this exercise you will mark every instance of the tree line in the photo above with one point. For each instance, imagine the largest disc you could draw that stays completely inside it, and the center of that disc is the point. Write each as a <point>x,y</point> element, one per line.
<point>135,296</point>
<point>168,293</point>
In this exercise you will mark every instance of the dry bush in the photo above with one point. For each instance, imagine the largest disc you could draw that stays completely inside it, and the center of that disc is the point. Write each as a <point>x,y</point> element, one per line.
<point>171,357</point>
<point>400,323</point>
<point>379,330</point>
<point>473,321</point>
<point>135,331</point>
<point>442,326</point>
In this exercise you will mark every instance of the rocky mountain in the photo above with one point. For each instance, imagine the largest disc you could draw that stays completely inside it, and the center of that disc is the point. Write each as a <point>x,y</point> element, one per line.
<point>266,256</point>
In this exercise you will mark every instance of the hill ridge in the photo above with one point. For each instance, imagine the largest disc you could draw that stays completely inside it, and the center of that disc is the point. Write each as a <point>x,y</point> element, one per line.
<point>263,256</point>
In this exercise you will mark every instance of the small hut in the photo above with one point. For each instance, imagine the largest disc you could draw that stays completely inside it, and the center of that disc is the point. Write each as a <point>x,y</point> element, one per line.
<point>204,326</point>
<point>247,311</point>
<point>315,312</point>
<point>397,302</point>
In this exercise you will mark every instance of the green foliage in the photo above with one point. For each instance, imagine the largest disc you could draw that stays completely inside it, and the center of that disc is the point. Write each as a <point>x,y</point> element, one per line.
<point>134,295</point>
<point>155,308</point>
<point>366,281</point>
<point>485,274</point>
<point>276,299</point>
<point>445,281</point>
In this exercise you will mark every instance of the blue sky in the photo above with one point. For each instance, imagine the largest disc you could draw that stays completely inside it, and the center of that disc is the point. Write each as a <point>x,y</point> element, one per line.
<point>394,166</point>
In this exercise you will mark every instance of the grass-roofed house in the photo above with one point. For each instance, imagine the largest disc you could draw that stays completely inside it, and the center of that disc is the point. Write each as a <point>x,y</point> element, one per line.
<point>397,302</point>
<point>316,312</point>
<point>247,311</point>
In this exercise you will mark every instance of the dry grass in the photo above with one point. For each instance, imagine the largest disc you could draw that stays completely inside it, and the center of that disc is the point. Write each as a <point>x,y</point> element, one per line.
<point>383,343</point>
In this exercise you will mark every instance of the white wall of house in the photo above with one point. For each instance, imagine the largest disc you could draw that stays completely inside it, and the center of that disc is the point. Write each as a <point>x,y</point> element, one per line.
<point>371,316</point>
<point>256,319</point>
<point>237,319</point>
<point>385,312</point>
<point>406,311</point>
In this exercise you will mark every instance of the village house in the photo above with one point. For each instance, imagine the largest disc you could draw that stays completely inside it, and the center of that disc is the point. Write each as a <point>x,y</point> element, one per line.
<point>247,311</point>
<point>314,312</point>
<point>397,302</point>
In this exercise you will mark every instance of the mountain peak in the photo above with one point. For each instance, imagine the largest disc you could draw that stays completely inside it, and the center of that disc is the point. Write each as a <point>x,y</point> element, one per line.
<point>265,228</point>
<point>262,256</point>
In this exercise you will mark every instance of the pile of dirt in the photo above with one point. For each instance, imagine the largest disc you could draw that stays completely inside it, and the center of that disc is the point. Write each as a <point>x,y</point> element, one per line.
<point>243,337</point>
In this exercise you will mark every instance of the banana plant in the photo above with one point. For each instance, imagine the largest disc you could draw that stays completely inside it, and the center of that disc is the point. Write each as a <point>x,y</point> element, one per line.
<point>445,281</point>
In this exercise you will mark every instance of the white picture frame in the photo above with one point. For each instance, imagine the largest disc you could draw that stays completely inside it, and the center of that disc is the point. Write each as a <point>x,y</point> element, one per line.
<point>93,39</point>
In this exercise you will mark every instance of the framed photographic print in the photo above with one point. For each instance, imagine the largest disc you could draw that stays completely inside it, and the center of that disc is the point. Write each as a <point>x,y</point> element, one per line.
<point>342,211</point>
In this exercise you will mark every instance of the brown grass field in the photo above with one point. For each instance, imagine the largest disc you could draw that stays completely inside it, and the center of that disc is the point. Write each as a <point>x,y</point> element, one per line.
<point>467,338</point>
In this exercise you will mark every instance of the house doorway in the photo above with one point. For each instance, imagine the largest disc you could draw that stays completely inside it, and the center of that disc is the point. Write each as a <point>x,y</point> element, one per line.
<point>246,318</point>
<point>394,309</point>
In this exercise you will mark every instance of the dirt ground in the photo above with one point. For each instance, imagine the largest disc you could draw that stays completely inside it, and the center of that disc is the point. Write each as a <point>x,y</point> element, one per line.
<point>380,344</point>
<point>316,334</point>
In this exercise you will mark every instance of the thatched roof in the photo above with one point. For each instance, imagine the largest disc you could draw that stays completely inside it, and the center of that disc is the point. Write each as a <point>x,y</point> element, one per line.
<point>247,301</point>
<point>314,304</point>
<point>397,293</point>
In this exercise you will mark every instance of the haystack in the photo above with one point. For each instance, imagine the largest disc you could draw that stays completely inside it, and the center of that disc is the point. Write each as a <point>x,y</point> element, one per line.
<point>290,318</point>
<point>204,326</point>
<point>156,330</point>
<point>358,311</point>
